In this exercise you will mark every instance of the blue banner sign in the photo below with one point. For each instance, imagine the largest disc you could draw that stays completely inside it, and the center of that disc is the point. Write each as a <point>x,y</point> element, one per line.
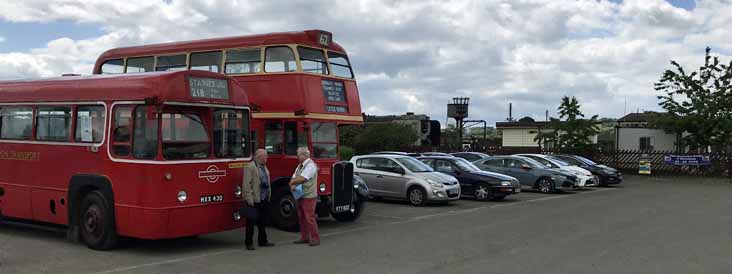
<point>687,160</point>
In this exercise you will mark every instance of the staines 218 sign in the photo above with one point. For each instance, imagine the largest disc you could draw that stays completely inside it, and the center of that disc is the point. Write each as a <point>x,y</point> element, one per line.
<point>687,160</point>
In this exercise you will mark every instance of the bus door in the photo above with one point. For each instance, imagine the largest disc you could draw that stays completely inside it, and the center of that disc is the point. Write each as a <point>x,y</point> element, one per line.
<point>281,140</point>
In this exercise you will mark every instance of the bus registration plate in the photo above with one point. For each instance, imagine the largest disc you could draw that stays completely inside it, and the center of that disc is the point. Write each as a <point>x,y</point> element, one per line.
<point>212,198</point>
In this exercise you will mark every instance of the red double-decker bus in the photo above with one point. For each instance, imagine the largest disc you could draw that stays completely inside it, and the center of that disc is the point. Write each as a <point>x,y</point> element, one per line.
<point>301,88</point>
<point>149,156</point>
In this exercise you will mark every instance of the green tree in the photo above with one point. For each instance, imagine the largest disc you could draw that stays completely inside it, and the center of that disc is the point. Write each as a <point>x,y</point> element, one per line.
<point>570,131</point>
<point>384,136</point>
<point>699,103</point>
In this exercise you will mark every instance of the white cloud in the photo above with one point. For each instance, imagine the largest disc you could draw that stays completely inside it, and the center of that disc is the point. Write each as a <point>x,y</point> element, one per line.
<point>416,55</point>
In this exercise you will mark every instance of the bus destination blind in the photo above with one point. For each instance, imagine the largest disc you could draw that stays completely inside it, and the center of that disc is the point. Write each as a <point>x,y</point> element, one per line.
<point>208,88</point>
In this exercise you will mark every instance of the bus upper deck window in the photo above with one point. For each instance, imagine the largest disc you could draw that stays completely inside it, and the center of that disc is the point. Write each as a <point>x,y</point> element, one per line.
<point>241,61</point>
<point>171,63</point>
<point>139,64</point>
<point>279,59</point>
<point>208,61</point>
<point>114,66</point>
<point>312,60</point>
<point>340,65</point>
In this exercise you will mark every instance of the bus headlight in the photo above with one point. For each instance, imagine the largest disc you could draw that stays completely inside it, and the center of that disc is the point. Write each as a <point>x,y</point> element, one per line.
<point>237,216</point>
<point>322,187</point>
<point>182,196</point>
<point>237,191</point>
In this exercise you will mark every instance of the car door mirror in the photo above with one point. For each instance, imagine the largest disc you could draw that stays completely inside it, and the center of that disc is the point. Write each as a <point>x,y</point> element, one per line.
<point>525,167</point>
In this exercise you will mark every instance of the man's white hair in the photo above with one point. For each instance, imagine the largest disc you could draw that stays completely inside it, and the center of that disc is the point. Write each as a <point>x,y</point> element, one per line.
<point>303,151</point>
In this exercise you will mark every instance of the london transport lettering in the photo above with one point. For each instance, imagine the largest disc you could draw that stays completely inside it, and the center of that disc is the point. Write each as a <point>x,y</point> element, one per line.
<point>209,88</point>
<point>20,155</point>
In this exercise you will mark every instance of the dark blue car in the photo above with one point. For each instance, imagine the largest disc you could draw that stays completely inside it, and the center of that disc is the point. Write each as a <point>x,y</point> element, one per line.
<point>482,185</point>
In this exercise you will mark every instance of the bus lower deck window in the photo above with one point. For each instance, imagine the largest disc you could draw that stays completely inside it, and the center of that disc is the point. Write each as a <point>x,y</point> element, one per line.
<point>16,123</point>
<point>53,124</point>
<point>89,124</point>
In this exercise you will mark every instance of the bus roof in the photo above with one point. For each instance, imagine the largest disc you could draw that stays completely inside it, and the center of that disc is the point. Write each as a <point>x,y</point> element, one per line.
<point>166,86</point>
<point>308,37</point>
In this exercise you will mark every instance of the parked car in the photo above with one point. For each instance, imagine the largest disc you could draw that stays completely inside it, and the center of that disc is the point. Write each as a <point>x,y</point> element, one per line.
<point>584,177</point>
<point>397,153</point>
<point>471,156</point>
<point>435,154</point>
<point>482,185</point>
<point>404,177</point>
<point>607,175</point>
<point>530,173</point>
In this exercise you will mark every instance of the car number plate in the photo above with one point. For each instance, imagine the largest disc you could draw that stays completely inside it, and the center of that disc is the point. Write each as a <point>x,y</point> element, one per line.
<point>212,198</point>
<point>342,208</point>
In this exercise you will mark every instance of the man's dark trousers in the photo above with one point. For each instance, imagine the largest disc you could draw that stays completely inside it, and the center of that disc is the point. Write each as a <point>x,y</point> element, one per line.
<point>263,212</point>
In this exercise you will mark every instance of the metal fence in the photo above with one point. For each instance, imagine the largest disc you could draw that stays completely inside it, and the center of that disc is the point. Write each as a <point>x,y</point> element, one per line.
<point>629,160</point>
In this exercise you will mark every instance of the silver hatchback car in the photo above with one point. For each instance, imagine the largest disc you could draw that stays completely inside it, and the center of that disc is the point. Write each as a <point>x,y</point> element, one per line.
<point>403,177</point>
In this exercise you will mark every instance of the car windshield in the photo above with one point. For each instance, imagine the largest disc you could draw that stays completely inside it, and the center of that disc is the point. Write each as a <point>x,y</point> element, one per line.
<point>543,161</point>
<point>558,161</point>
<point>465,165</point>
<point>414,165</point>
<point>533,162</point>
<point>587,161</point>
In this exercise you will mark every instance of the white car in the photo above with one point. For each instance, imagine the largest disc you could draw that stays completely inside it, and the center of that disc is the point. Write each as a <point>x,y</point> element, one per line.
<point>584,177</point>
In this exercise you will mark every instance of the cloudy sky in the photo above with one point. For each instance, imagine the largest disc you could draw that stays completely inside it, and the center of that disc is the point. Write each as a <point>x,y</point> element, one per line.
<point>409,55</point>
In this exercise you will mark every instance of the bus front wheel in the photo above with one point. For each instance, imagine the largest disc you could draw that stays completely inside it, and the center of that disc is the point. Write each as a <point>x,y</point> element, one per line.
<point>283,210</point>
<point>97,222</point>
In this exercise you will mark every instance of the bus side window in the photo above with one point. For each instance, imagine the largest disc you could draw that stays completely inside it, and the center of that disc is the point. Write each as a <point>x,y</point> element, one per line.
<point>279,59</point>
<point>122,128</point>
<point>291,138</point>
<point>89,124</point>
<point>208,61</point>
<point>114,66</point>
<point>242,61</point>
<point>16,123</point>
<point>273,137</point>
<point>139,64</point>
<point>53,124</point>
<point>171,63</point>
<point>145,142</point>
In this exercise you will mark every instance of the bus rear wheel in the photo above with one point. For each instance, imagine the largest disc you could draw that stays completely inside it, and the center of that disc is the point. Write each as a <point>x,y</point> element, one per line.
<point>283,210</point>
<point>97,222</point>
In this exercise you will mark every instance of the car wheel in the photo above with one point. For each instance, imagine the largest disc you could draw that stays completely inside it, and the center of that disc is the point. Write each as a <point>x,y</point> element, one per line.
<point>482,192</point>
<point>417,196</point>
<point>545,185</point>
<point>97,222</point>
<point>283,210</point>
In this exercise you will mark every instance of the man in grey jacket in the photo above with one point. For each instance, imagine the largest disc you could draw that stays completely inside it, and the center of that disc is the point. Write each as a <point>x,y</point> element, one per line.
<point>257,193</point>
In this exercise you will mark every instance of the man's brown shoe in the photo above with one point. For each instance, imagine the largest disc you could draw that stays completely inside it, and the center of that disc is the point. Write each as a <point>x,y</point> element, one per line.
<point>314,243</point>
<point>301,242</point>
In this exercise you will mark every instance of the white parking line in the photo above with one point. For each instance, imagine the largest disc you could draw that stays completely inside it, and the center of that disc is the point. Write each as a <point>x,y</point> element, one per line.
<point>403,220</point>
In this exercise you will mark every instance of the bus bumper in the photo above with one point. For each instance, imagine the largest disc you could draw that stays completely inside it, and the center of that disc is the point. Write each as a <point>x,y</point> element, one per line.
<point>146,223</point>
